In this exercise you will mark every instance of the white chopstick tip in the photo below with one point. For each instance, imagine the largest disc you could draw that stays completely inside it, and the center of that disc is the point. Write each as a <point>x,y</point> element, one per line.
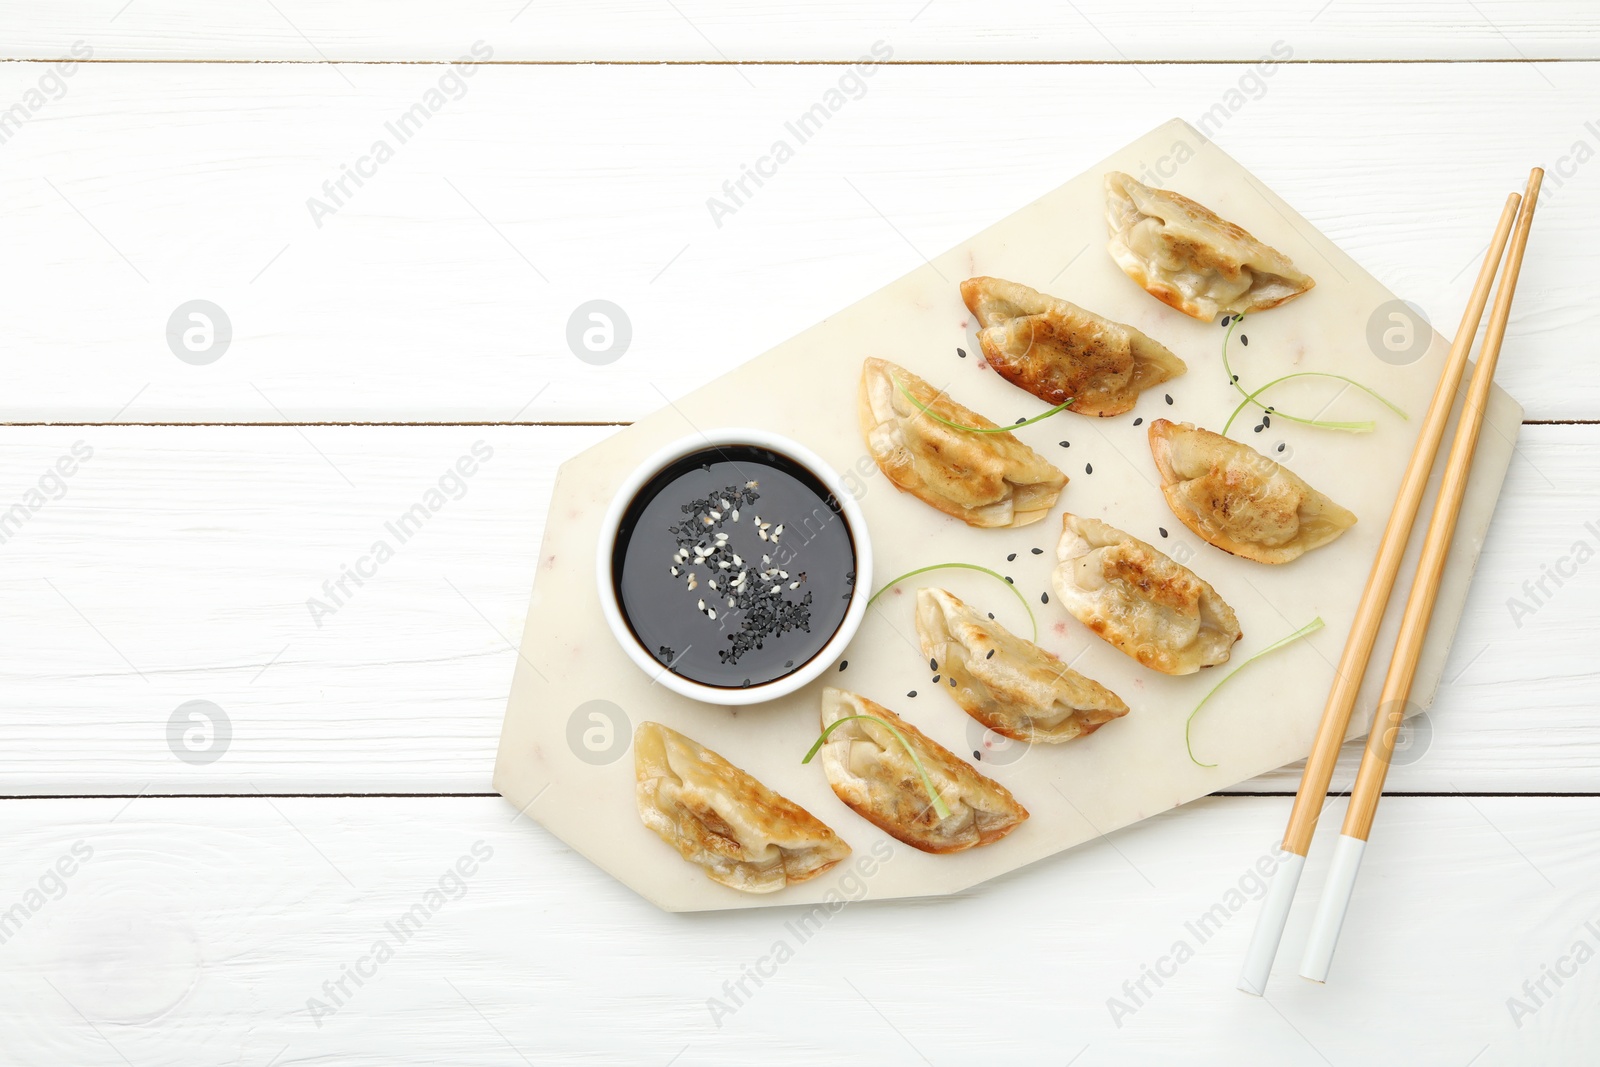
<point>1336,894</point>
<point>1270,922</point>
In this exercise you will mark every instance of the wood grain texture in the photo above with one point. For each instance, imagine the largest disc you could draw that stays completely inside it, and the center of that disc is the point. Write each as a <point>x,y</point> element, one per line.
<point>179,564</point>
<point>717,30</point>
<point>443,286</point>
<point>198,932</point>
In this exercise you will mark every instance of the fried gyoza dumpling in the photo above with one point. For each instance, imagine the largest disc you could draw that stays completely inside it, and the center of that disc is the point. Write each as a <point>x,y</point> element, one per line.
<point>1238,499</point>
<point>746,836</point>
<point>872,771</point>
<point>1142,601</point>
<point>1058,351</point>
<point>1184,255</point>
<point>983,479</point>
<point>1011,685</point>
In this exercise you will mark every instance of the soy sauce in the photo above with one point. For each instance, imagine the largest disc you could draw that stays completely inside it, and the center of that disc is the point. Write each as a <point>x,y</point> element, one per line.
<point>789,541</point>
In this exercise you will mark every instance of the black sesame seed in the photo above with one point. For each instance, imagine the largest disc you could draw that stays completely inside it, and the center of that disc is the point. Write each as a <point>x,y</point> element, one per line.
<point>1037,551</point>
<point>1011,557</point>
<point>1235,377</point>
<point>1266,420</point>
<point>936,679</point>
<point>952,683</point>
<point>1244,340</point>
<point>977,755</point>
<point>1021,421</point>
<point>911,693</point>
<point>1226,319</point>
<point>1138,421</point>
<point>843,664</point>
<point>745,684</point>
<point>1169,398</point>
<point>1088,468</point>
<point>1280,448</point>
<point>1163,530</point>
<point>1044,598</point>
<point>1009,581</point>
<point>1066,444</point>
<point>933,664</point>
<point>962,352</point>
<point>991,614</point>
<point>990,654</point>
<point>1258,429</point>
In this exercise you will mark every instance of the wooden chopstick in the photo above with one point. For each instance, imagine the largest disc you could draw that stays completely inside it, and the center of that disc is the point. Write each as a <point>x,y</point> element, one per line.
<point>1368,789</point>
<point>1335,723</point>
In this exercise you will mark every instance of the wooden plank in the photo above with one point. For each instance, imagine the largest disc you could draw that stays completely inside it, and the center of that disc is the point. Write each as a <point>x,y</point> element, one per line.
<point>442,287</point>
<point>199,932</point>
<point>178,563</point>
<point>1095,30</point>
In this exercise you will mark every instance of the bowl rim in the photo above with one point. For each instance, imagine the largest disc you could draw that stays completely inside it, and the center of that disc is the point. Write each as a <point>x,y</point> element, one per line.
<point>727,437</point>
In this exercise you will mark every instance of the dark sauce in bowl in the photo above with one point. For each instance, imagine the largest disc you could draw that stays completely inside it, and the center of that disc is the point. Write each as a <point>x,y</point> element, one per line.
<point>742,524</point>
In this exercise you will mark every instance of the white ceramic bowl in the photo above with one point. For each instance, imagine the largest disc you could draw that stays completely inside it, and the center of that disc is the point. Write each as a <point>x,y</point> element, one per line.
<point>612,523</point>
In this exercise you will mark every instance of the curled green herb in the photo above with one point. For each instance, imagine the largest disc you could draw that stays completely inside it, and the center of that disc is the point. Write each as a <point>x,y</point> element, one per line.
<point>939,805</point>
<point>936,417</point>
<point>1309,628</point>
<point>1363,426</point>
<point>966,567</point>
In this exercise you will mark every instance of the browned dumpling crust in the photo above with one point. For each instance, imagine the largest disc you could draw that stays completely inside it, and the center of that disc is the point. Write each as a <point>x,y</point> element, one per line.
<point>870,770</point>
<point>1239,500</point>
<point>1006,682</point>
<point>983,479</point>
<point>1058,351</point>
<point>745,836</point>
<point>1185,255</point>
<point>1140,600</point>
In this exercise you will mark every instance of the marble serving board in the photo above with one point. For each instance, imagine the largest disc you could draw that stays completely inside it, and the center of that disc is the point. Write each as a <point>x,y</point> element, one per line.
<point>564,756</point>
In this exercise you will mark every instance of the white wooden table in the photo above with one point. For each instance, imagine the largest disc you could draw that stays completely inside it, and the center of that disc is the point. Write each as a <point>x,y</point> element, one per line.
<point>205,896</point>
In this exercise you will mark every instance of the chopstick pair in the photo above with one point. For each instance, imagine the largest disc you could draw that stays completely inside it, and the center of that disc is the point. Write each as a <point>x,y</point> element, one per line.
<point>1368,788</point>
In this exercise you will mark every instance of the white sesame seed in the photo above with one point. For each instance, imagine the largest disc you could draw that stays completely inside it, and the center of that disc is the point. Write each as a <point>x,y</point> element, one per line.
<point>774,589</point>
<point>763,535</point>
<point>766,559</point>
<point>711,613</point>
<point>730,602</point>
<point>706,519</point>
<point>712,584</point>
<point>737,562</point>
<point>724,504</point>
<point>735,514</point>
<point>783,574</point>
<point>702,605</point>
<point>724,564</point>
<point>794,585</point>
<point>674,572</point>
<point>779,531</point>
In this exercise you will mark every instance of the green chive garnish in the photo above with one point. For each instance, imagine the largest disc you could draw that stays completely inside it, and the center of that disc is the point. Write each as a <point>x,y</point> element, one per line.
<point>1309,628</point>
<point>936,417</point>
<point>939,806</point>
<point>966,567</point>
<point>1364,426</point>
